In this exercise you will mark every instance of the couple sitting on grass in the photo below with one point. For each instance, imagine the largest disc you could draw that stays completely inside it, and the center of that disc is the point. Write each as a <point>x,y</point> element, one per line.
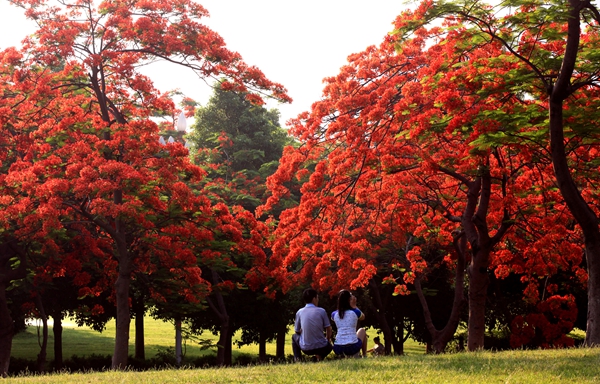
<point>313,329</point>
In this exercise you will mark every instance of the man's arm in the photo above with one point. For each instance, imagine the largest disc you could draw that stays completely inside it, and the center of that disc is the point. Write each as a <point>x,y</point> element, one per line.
<point>298,323</point>
<point>328,333</point>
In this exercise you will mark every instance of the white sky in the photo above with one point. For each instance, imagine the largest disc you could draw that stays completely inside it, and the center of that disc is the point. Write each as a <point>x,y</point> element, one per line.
<point>295,43</point>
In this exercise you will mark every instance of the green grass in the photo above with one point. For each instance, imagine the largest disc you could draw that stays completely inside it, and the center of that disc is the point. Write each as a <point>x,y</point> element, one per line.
<point>159,335</point>
<point>577,365</point>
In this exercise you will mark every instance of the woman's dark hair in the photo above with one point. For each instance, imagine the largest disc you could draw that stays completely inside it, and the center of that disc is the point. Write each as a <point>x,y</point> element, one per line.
<point>343,302</point>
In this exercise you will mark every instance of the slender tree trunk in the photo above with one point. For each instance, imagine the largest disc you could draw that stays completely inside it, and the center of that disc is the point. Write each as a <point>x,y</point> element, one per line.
<point>57,330</point>
<point>396,342</point>
<point>396,338</point>
<point>583,214</point>
<point>41,357</point>
<point>140,311</point>
<point>178,342</point>
<point>379,310</point>
<point>281,334</point>
<point>441,338</point>
<point>226,333</point>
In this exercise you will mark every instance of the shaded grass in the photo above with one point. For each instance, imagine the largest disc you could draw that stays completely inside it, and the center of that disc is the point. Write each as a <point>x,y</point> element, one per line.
<point>577,365</point>
<point>159,335</point>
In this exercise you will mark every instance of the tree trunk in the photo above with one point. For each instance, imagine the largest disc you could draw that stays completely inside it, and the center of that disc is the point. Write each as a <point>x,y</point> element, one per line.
<point>7,330</point>
<point>178,342</point>
<point>478,286</point>
<point>580,209</point>
<point>140,311</point>
<point>224,345</point>
<point>262,347</point>
<point>123,320</point>
<point>41,357</point>
<point>57,330</point>
<point>592,336</point>
<point>281,334</point>
<point>8,249</point>
<point>441,338</point>
<point>379,309</point>
<point>395,341</point>
<point>476,233</point>
<point>226,333</point>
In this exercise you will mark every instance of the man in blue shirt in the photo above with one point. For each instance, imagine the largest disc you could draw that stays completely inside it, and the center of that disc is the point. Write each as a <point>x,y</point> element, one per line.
<point>313,330</point>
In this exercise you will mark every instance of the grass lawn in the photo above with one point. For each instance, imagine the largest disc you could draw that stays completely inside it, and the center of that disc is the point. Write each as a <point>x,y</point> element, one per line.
<point>82,341</point>
<point>577,365</point>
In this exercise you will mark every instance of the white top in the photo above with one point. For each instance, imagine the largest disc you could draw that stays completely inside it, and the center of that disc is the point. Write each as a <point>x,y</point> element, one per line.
<point>346,327</point>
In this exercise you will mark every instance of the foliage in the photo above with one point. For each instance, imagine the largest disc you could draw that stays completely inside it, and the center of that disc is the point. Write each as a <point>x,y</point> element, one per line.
<point>238,144</point>
<point>394,173</point>
<point>83,148</point>
<point>553,45</point>
<point>548,326</point>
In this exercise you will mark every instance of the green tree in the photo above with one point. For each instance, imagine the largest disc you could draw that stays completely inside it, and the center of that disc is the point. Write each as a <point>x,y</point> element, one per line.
<point>239,144</point>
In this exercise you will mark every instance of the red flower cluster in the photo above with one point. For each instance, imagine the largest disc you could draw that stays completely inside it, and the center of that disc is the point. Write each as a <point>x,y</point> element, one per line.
<point>548,326</point>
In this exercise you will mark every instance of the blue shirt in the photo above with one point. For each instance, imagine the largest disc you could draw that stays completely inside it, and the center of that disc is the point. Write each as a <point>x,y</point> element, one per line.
<point>311,321</point>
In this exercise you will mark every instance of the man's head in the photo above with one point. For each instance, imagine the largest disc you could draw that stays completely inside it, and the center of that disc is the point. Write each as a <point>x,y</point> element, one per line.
<point>376,339</point>
<point>308,295</point>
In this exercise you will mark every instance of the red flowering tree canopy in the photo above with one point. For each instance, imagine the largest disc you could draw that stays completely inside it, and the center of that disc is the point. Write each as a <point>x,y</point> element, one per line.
<point>82,146</point>
<point>390,155</point>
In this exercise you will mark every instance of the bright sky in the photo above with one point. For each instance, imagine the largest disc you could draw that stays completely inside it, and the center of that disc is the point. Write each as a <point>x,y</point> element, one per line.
<point>295,43</point>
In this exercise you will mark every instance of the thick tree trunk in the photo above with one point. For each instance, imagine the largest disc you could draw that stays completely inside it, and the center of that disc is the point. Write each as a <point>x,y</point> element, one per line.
<point>123,320</point>
<point>592,336</point>
<point>140,310</point>
<point>262,348</point>
<point>7,330</point>
<point>478,286</point>
<point>476,233</point>
<point>281,334</point>
<point>224,345</point>
<point>8,249</point>
<point>119,360</point>
<point>41,357</point>
<point>57,330</point>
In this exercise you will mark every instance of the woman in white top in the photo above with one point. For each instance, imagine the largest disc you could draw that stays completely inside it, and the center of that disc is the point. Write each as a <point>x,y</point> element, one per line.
<point>348,340</point>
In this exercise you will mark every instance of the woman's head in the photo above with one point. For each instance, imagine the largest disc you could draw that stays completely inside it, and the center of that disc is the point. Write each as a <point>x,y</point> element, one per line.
<point>343,302</point>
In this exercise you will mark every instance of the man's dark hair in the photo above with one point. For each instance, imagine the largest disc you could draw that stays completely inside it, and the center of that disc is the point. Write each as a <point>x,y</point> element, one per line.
<point>308,295</point>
